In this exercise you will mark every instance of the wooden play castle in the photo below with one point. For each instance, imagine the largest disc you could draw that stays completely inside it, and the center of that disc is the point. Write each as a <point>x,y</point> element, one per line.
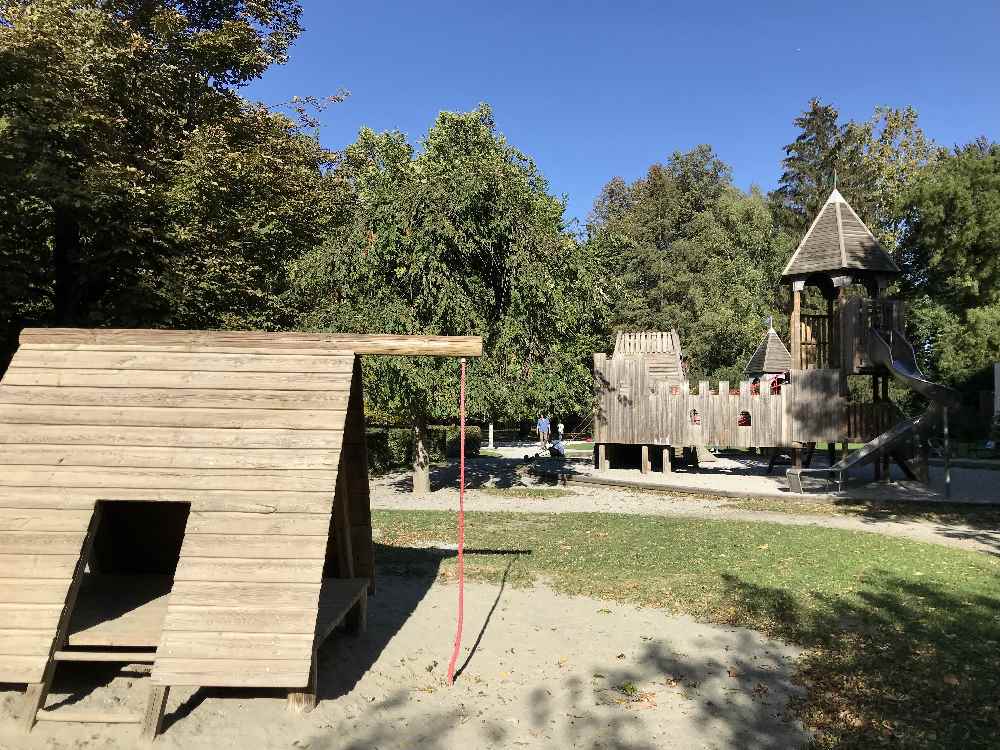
<point>194,501</point>
<point>850,330</point>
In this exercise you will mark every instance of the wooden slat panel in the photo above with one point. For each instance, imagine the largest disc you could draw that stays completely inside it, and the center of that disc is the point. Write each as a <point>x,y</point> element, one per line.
<point>208,594</point>
<point>187,398</point>
<point>146,458</point>
<point>22,669</point>
<point>240,619</point>
<point>236,569</point>
<point>176,379</point>
<point>33,591</point>
<point>36,566</point>
<point>180,480</point>
<point>232,672</point>
<point>249,546</point>
<point>30,616</point>
<point>43,519</point>
<point>24,643</point>
<point>156,360</point>
<point>249,646</point>
<point>41,543</point>
<point>250,501</point>
<point>434,346</point>
<point>173,437</point>
<point>178,416</point>
<point>301,524</point>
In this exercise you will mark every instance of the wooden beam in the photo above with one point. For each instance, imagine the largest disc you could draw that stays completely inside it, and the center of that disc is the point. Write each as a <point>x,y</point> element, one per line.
<point>431,346</point>
<point>644,466</point>
<point>152,719</point>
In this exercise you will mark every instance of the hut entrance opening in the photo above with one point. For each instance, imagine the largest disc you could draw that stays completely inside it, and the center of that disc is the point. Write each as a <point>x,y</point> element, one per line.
<point>129,572</point>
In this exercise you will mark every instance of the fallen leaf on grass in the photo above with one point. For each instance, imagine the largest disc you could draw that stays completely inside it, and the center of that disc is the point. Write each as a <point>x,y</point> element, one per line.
<point>950,679</point>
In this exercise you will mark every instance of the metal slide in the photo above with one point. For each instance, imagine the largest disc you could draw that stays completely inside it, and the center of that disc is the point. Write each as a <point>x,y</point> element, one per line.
<point>898,357</point>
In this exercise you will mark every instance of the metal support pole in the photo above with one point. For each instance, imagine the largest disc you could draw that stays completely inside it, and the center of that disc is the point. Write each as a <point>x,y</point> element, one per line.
<point>947,458</point>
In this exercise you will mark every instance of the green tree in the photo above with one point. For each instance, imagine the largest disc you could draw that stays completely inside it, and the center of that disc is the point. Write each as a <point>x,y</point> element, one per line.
<point>695,254</point>
<point>462,238</point>
<point>871,162</point>
<point>950,256</point>
<point>120,133</point>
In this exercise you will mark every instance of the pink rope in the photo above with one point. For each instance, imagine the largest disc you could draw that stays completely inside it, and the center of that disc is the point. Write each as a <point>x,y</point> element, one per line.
<point>461,531</point>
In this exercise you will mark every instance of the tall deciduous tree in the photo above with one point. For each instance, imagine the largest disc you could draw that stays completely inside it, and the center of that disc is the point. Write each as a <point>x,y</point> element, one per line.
<point>950,256</point>
<point>138,187</point>
<point>693,253</point>
<point>461,238</point>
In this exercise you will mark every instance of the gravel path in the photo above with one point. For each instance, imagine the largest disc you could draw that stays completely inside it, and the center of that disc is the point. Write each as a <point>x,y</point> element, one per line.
<point>391,492</point>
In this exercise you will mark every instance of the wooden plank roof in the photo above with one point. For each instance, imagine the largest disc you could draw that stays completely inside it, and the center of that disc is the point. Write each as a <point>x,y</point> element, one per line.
<point>287,342</point>
<point>770,356</point>
<point>839,242</point>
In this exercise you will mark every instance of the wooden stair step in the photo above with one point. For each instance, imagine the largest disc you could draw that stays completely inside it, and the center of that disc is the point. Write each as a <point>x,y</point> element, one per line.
<point>82,717</point>
<point>124,657</point>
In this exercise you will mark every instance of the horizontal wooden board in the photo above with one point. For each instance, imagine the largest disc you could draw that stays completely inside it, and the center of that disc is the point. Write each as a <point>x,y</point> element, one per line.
<point>204,362</point>
<point>221,645</point>
<point>436,346</point>
<point>141,457</point>
<point>232,672</point>
<point>25,669</point>
<point>33,591</point>
<point>240,619</point>
<point>300,524</point>
<point>107,479</point>
<point>41,543</point>
<point>29,616</point>
<point>210,594</point>
<point>255,546</point>
<point>179,379</point>
<point>168,437</point>
<point>173,416</point>
<point>189,398</point>
<point>25,643</point>
<point>43,519</point>
<point>37,566</point>
<point>239,569</point>
<point>246,501</point>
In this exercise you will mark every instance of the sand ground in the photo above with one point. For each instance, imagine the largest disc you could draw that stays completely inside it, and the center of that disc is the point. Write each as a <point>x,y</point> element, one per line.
<point>539,670</point>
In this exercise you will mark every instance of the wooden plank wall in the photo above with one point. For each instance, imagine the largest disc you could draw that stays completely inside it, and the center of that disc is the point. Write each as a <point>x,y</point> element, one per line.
<point>251,437</point>
<point>633,409</point>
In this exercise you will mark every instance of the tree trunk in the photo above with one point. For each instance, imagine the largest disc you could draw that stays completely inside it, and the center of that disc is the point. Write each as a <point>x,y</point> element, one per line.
<point>66,266</point>
<point>421,458</point>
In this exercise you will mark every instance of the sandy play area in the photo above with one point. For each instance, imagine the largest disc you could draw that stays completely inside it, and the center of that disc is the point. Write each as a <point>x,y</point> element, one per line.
<point>540,670</point>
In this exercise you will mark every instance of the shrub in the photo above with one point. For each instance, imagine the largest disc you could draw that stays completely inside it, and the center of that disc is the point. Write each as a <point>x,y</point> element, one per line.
<point>392,447</point>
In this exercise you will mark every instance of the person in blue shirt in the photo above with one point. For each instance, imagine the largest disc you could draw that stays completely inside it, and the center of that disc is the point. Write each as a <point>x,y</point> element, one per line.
<point>544,428</point>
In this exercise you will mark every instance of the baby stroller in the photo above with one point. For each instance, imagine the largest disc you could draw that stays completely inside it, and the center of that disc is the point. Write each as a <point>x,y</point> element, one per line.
<point>556,449</point>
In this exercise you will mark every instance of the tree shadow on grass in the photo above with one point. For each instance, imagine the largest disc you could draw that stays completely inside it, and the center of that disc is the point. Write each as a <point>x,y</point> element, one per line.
<point>897,661</point>
<point>492,471</point>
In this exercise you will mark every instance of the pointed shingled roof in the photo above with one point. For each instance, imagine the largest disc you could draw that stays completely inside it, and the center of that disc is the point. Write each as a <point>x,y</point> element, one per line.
<point>839,241</point>
<point>770,356</point>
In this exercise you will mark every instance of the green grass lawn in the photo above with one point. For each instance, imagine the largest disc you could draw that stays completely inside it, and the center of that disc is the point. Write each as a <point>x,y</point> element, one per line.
<point>902,639</point>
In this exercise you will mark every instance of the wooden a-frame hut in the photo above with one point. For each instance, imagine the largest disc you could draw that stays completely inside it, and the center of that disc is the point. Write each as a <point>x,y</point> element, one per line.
<point>197,501</point>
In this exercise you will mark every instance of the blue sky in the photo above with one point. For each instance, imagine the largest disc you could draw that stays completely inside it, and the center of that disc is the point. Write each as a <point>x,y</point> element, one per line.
<point>595,90</point>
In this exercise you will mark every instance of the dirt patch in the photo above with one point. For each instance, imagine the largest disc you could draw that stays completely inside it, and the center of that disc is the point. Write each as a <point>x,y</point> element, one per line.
<point>539,670</point>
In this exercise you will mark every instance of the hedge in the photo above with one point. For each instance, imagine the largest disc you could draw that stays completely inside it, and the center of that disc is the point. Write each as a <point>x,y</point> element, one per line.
<point>392,447</point>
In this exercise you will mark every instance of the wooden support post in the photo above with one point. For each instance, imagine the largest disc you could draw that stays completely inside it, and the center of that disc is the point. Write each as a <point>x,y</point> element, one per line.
<point>796,458</point>
<point>152,719</point>
<point>667,467</point>
<point>644,461</point>
<point>356,621</point>
<point>693,453</point>
<point>303,701</point>
<point>795,328</point>
<point>602,457</point>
